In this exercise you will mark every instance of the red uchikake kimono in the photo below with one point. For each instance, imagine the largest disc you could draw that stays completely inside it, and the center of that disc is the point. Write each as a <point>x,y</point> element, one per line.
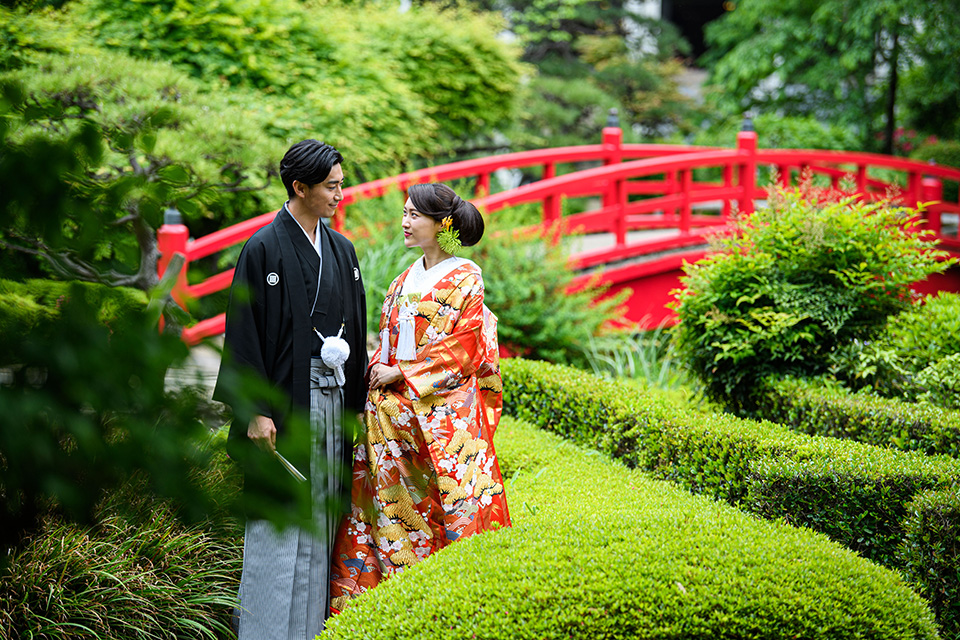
<point>426,474</point>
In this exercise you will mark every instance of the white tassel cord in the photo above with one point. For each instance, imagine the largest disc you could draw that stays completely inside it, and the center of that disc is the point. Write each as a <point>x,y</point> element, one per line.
<point>406,349</point>
<point>334,353</point>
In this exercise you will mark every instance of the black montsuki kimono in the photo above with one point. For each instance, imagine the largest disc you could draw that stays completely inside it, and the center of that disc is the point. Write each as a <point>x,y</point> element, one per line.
<point>270,330</point>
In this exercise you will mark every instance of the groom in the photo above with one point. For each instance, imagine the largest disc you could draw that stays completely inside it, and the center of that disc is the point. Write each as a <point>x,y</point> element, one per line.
<point>296,286</point>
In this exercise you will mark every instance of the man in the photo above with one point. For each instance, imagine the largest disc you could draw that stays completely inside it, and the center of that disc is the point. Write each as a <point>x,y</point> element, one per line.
<point>296,285</point>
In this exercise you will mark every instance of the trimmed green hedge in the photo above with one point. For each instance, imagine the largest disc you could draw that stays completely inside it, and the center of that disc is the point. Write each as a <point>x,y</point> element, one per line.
<point>863,496</point>
<point>931,546</point>
<point>599,551</point>
<point>816,408</point>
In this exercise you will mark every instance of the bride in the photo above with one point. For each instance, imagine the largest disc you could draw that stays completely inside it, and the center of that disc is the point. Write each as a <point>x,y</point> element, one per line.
<point>426,474</point>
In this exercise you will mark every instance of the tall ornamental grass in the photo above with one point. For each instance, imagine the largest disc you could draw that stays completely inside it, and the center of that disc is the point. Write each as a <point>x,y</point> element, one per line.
<point>137,572</point>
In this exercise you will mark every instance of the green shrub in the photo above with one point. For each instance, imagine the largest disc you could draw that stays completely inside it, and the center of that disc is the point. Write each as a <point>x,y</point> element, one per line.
<point>239,42</point>
<point>381,260</point>
<point>914,358</point>
<point>817,407</point>
<point>865,491</point>
<point>940,382</point>
<point>540,315</point>
<point>694,569</point>
<point>361,86</point>
<point>929,331</point>
<point>790,284</point>
<point>527,286</point>
<point>946,153</point>
<point>464,76</point>
<point>137,571</point>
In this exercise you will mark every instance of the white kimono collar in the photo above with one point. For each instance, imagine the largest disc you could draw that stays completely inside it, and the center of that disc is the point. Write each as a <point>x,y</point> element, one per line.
<point>421,280</point>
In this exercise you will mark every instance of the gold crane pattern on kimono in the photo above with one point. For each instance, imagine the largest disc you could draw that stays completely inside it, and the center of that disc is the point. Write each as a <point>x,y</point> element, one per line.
<point>426,473</point>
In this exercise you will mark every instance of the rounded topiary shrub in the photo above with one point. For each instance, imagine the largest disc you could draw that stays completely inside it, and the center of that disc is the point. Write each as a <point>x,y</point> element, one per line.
<point>600,551</point>
<point>792,283</point>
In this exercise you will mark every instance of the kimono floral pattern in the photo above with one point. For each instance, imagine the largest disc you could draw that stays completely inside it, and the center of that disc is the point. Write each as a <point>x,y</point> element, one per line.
<point>426,474</point>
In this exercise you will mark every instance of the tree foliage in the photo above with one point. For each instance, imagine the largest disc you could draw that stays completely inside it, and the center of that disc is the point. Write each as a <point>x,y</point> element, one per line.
<point>591,57</point>
<point>154,151</point>
<point>203,131</point>
<point>868,64</point>
<point>464,78</point>
<point>82,368</point>
<point>794,282</point>
<point>781,132</point>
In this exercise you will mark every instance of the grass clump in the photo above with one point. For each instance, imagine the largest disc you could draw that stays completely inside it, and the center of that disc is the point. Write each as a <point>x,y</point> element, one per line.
<point>137,572</point>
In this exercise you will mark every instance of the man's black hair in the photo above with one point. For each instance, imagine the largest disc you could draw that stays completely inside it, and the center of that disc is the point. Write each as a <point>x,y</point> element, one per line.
<point>309,161</point>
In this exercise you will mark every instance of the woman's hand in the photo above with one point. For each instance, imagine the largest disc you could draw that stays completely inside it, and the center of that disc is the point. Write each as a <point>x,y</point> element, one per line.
<point>381,375</point>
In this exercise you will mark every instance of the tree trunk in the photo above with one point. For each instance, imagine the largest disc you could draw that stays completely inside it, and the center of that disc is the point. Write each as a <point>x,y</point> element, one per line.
<point>891,122</point>
<point>147,277</point>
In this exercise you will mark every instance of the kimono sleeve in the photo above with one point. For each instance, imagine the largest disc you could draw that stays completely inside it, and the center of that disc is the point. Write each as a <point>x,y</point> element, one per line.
<point>448,362</point>
<point>244,335</point>
<point>356,393</point>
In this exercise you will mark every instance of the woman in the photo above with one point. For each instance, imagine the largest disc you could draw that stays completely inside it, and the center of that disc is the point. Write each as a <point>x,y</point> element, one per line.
<point>426,474</point>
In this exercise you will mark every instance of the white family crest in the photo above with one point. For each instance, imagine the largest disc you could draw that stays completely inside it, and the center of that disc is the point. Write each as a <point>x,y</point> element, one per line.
<point>272,278</point>
<point>356,273</point>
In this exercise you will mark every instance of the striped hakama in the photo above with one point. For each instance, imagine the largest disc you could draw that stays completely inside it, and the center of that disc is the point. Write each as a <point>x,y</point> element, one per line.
<point>284,588</point>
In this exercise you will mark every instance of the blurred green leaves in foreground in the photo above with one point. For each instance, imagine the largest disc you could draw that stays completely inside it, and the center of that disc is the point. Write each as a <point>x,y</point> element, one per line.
<point>85,410</point>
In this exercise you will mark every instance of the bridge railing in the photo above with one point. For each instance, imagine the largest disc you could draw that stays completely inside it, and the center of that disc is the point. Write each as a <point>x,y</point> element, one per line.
<point>674,199</point>
<point>637,186</point>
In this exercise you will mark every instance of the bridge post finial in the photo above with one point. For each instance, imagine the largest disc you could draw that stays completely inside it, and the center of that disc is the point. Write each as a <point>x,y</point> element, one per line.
<point>747,122</point>
<point>613,118</point>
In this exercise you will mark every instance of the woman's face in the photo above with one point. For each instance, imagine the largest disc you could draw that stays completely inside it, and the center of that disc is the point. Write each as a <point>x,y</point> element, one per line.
<point>419,230</point>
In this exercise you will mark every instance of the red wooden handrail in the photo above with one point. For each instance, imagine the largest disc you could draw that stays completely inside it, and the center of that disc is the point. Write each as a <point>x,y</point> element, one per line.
<point>669,202</point>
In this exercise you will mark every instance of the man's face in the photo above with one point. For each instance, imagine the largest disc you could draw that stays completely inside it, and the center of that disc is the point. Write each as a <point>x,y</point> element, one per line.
<point>322,198</point>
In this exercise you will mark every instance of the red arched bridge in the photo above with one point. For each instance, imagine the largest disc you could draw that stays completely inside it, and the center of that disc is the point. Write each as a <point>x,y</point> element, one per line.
<point>649,208</point>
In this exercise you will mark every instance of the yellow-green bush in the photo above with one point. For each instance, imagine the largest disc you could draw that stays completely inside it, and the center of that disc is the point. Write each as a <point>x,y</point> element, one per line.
<point>860,495</point>
<point>601,551</point>
<point>31,307</point>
